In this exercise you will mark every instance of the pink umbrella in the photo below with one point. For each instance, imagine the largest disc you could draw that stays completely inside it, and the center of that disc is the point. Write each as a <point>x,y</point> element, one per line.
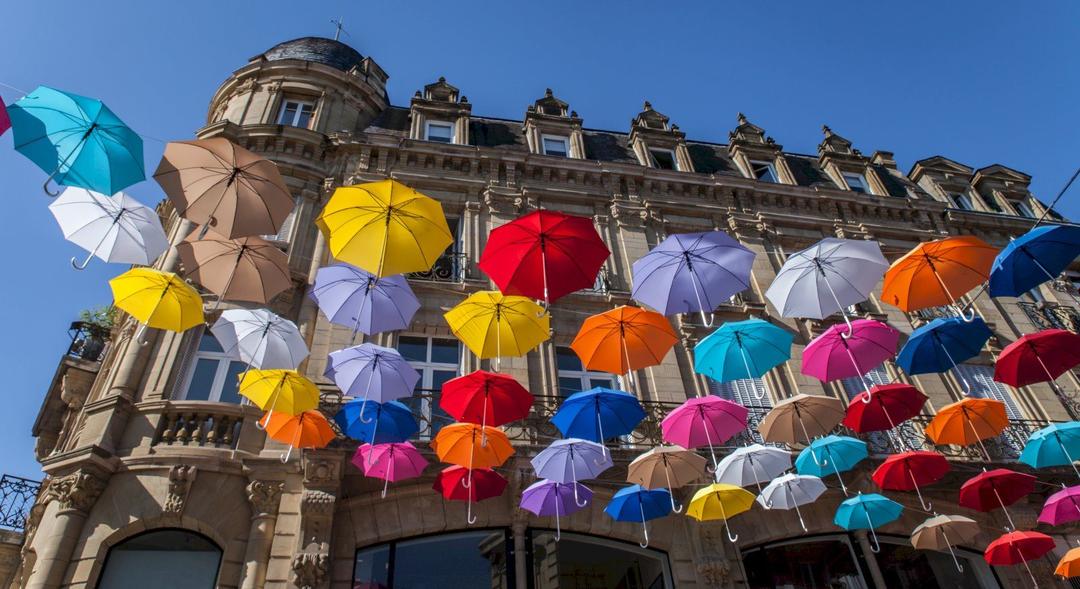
<point>704,421</point>
<point>5,121</point>
<point>389,462</point>
<point>834,354</point>
<point>1062,507</point>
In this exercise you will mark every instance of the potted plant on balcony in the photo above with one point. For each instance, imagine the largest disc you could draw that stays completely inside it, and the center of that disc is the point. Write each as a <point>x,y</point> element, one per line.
<point>91,332</point>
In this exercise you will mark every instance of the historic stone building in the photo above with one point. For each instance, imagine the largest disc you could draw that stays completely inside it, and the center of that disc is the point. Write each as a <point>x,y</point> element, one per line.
<point>151,463</point>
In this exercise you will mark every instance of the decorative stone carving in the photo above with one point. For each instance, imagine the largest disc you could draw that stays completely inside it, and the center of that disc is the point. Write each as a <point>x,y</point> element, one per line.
<point>321,472</point>
<point>78,490</point>
<point>310,569</point>
<point>503,202</point>
<point>264,496</point>
<point>181,477</point>
<point>317,502</point>
<point>715,573</point>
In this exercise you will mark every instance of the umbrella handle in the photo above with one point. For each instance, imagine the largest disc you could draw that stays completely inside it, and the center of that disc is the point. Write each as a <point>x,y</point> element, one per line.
<point>733,538</point>
<point>956,561</point>
<point>644,526</point>
<point>558,528</point>
<point>367,390</point>
<point>45,186</point>
<point>469,517</point>
<point>264,421</point>
<point>576,500</point>
<point>140,334</point>
<point>1034,583</point>
<point>876,546</point>
<point>706,319</point>
<point>746,365</point>
<point>956,306</point>
<point>926,505</point>
<point>82,265</point>
<point>963,317</point>
<point>286,455</point>
<point>843,311</point>
<point>799,513</point>
<point>671,494</point>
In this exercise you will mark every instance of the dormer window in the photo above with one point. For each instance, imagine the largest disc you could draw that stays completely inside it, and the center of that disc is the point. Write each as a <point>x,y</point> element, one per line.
<point>1024,209</point>
<point>663,159</point>
<point>856,182</point>
<point>764,171</point>
<point>556,145</point>
<point>439,131</point>
<point>296,113</point>
<point>961,201</point>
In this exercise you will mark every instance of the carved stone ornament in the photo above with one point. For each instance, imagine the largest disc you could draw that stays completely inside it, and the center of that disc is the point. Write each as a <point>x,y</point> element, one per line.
<point>78,490</point>
<point>715,573</point>
<point>264,495</point>
<point>321,472</point>
<point>310,569</point>
<point>317,502</point>
<point>181,478</point>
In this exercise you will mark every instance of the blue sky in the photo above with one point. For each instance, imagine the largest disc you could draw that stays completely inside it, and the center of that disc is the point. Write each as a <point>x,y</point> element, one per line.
<point>979,82</point>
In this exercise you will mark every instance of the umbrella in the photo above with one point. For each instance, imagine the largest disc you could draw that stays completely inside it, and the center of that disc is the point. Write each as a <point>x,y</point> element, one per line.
<point>1038,357</point>
<point>942,344</point>
<point>117,229</point>
<point>938,273</point>
<point>1062,507</point>
<point>485,398</point>
<point>362,302</point>
<point>598,414</point>
<point>638,504</point>
<point>390,461</point>
<point>571,460</point>
<point>704,421</point>
<point>690,272</point>
<point>867,512</point>
<point>968,421</point>
<point>1053,445</point>
<point>385,228</point>
<point>544,255</point>
<point>492,324</point>
<point>157,299</point>
<point>1033,258</point>
<point>378,373</point>
<point>260,339</point>
<point>789,491</point>
<point>222,186</point>
<point>741,350</point>
<point>284,391</point>
<point>808,415</point>
<point>391,422</point>
<point>308,429</point>
<point>826,278</point>
<point>882,407</point>
<point>1019,548</point>
<point>720,501</point>
<point>666,467</point>
<point>5,120</point>
<point>838,354</point>
<point>945,531</point>
<point>76,140</point>
<point>484,483</point>
<point>472,446</point>
<point>246,269</point>
<point>908,471</point>
<point>624,339</point>
<point>749,465</point>
<point>837,454</point>
<point>1069,565</point>
<point>998,488</point>
<point>546,497</point>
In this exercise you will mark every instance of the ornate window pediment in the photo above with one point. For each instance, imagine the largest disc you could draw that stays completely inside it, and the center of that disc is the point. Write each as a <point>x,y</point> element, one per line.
<point>551,128</point>
<point>848,167</point>
<point>758,155</point>
<point>658,143</point>
<point>440,114</point>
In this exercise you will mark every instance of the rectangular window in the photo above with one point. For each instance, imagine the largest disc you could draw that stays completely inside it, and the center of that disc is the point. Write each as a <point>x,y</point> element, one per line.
<point>764,171</point>
<point>437,360</point>
<point>981,379</point>
<point>452,265</point>
<point>555,145</point>
<point>439,131</point>
<point>992,203</point>
<point>961,201</point>
<point>296,113</point>
<point>1024,209</point>
<point>663,159</point>
<point>574,378</point>
<point>744,392</point>
<point>856,182</point>
<point>213,375</point>
<point>284,235</point>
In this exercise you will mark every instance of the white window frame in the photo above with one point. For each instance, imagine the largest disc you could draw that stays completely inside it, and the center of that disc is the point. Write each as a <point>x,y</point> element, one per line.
<point>861,177</point>
<point>224,361</point>
<point>300,104</point>
<point>427,368</point>
<point>655,164</point>
<point>770,166</point>
<point>584,376</point>
<point>560,138</point>
<point>961,201</point>
<point>440,124</point>
<point>285,233</point>
<point>1025,210</point>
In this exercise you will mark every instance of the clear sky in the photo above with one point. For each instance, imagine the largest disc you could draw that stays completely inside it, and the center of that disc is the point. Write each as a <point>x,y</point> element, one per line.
<point>980,82</point>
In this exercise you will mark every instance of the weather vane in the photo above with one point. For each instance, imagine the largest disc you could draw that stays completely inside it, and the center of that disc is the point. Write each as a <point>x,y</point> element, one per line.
<point>339,25</point>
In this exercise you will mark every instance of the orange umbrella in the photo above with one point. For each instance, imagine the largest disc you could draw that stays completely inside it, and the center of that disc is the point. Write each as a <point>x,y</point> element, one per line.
<point>472,446</point>
<point>1069,566</point>
<point>624,339</point>
<point>307,430</point>
<point>936,273</point>
<point>967,422</point>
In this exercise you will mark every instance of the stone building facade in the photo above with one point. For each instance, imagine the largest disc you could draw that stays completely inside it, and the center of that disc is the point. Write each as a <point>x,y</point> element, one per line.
<point>145,448</point>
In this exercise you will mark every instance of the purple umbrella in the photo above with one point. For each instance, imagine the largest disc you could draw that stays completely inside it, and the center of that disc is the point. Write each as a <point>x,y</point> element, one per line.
<point>570,460</point>
<point>691,272</point>
<point>379,374</point>
<point>1062,507</point>
<point>360,301</point>
<point>546,497</point>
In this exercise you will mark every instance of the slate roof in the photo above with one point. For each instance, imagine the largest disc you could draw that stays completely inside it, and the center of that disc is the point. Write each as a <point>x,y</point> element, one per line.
<point>317,49</point>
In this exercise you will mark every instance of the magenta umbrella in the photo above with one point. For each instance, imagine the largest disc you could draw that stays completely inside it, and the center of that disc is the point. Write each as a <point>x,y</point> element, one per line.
<point>834,354</point>
<point>704,421</point>
<point>1062,507</point>
<point>389,462</point>
<point>5,121</point>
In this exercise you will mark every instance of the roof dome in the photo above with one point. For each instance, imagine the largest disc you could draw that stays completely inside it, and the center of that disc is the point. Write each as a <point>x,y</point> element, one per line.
<point>317,49</point>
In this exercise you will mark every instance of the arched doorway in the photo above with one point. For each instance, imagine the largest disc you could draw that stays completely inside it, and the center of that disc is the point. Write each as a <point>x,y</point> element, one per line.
<point>173,559</point>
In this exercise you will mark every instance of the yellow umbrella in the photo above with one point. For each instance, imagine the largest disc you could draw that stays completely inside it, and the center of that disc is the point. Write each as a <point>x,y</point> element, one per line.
<point>283,390</point>
<point>492,324</point>
<point>720,501</point>
<point>157,299</point>
<point>385,228</point>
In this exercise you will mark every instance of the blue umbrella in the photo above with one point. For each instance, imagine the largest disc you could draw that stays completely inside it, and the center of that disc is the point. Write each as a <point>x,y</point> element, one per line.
<point>866,512</point>
<point>1033,258</point>
<point>363,302</point>
<point>386,422</point>
<point>638,504</point>
<point>77,140</point>
<point>598,414</point>
<point>1053,445</point>
<point>742,349</point>
<point>942,344</point>
<point>379,374</point>
<point>836,454</point>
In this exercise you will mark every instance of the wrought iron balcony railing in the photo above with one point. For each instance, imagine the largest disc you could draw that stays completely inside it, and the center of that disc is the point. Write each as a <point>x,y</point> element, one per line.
<point>1051,315</point>
<point>88,341</point>
<point>17,496</point>
<point>450,267</point>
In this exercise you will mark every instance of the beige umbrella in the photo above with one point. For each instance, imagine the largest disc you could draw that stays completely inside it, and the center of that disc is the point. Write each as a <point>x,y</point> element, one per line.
<point>942,532</point>
<point>224,187</point>
<point>247,269</point>
<point>666,467</point>
<point>801,418</point>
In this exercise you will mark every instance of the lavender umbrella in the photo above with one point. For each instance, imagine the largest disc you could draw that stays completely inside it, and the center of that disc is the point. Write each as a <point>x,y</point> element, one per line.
<point>363,302</point>
<point>379,374</point>
<point>570,460</point>
<point>691,272</point>
<point>546,497</point>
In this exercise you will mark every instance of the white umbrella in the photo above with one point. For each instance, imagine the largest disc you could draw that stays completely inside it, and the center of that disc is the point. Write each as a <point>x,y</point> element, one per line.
<point>260,338</point>
<point>790,491</point>
<point>753,464</point>
<point>827,277</point>
<point>117,228</point>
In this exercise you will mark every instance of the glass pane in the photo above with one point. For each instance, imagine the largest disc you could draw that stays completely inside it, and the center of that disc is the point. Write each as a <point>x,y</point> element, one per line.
<point>906,568</point>
<point>232,382</point>
<point>413,349</point>
<point>566,359</point>
<point>665,160</point>
<point>174,559</point>
<point>578,561</point>
<point>764,171</point>
<point>202,379</point>
<point>473,559</point>
<point>440,132</point>
<point>569,385</point>
<point>304,119</point>
<point>372,567</point>
<point>208,343</point>
<point>823,563</point>
<point>288,114</point>
<point>444,351</point>
<point>555,146</point>
<point>603,382</point>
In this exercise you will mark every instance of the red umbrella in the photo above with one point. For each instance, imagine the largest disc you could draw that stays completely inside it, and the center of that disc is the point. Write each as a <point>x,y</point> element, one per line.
<point>1019,548</point>
<point>544,255</point>
<point>486,483</point>
<point>485,398</point>
<point>1038,357</point>
<point>907,471</point>
<point>883,406</point>
<point>990,490</point>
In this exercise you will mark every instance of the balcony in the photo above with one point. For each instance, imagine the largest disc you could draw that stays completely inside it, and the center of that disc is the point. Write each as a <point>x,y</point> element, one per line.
<point>88,341</point>
<point>17,496</point>
<point>1051,315</point>
<point>451,267</point>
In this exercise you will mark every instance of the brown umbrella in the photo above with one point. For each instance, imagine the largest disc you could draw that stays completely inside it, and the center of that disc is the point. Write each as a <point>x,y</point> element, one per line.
<point>942,532</point>
<point>666,467</point>
<point>801,418</point>
<point>246,269</point>
<point>218,184</point>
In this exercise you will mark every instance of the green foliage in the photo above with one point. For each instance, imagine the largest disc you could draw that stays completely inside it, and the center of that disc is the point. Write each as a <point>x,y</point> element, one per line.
<point>103,317</point>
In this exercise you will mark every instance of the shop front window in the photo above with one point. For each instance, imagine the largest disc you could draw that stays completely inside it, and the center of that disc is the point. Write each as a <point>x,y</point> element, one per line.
<point>821,562</point>
<point>906,568</point>
<point>467,559</point>
<point>585,562</point>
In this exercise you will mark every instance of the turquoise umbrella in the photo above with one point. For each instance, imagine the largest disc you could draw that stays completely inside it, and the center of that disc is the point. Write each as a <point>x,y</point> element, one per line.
<point>742,349</point>
<point>1057,444</point>
<point>78,141</point>
<point>831,455</point>
<point>866,512</point>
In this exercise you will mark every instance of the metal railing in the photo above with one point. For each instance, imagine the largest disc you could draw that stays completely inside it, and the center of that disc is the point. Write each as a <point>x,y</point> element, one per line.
<point>450,267</point>
<point>1051,315</point>
<point>17,496</point>
<point>88,341</point>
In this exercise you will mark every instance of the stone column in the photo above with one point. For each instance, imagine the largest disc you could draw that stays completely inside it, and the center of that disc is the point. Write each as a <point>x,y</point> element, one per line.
<point>74,494</point>
<point>521,553</point>
<point>871,559</point>
<point>264,497</point>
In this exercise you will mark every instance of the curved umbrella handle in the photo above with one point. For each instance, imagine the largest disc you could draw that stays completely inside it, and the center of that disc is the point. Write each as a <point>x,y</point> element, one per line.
<point>558,528</point>
<point>677,508</point>
<point>644,526</point>
<point>733,538</point>
<point>576,500</point>
<point>963,317</point>
<point>956,561</point>
<point>82,265</point>
<point>45,187</point>
<point>799,513</point>
<point>876,546</point>
<point>286,455</point>
<point>264,421</point>
<point>140,335</point>
<point>469,517</point>
<point>926,505</point>
<point>386,483</point>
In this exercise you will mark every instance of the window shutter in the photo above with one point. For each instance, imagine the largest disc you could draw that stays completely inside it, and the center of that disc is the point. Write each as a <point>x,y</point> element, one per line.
<point>877,376</point>
<point>981,378</point>
<point>742,391</point>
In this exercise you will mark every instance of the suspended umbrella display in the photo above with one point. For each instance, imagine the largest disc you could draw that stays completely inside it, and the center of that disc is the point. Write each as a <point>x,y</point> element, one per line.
<point>359,300</point>
<point>882,408</point>
<point>1053,445</point>
<point>260,339</point>
<point>666,467</point>
<point>308,429</point>
<point>789,491</point>
<point>742,350</point>
<point>800,419</point>
<point>116,229</point>
<point>157,300</point>
<point>390,461</point>
<point>720,502</point>
<point>389,422</point>
<point>943,344</point>
<point>598,415</point>
<point>831,455</point>
<point>5,120</point>
<point>938,273</point>
<point>692,273</point>
<point>704,421</point>
<point>492,325</point>
<point>867,512</point>
<point>1038,256</point>
<point>837,354</point>
<point>1062,507</point>
<point>752,465</point>
<point>638,504</point>
<point>1038,357</point>
<point>247,269</point>
<point>371,372</point>
<point>385,228</point>
<point>76,140</point>
<point>968,421</point>
<point>942,532</point>
<point>546,498</point>
<point>544,255</point>
<point>472,446</point>
<point>277,390</point>
<point>624,339</point>
<point>1069,565</point>
<point>483,483</point>
<point>908,471</point>
<point>571,460</point>
<point>1018,548</point>
<point>485,398</point>
<point>996,489</point>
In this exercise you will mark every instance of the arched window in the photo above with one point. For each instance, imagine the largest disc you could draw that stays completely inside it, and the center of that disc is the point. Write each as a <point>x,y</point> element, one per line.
<point>165,559</point>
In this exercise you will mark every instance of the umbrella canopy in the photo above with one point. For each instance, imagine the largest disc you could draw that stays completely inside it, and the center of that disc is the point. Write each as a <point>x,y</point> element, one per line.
<point>385,228</point>
<point>5,120</point>
<point>260,338</point>
<point>1033,258</point>
<point>1062,507</point>
<point>624,339</point>
<point>752,465</point>
<point>1038,357</point>
<point>309,429</point>
<point>1019,548</point>
<point>485,398</point>
<point>867,512</point>
<point>704,421</point>
<point>117,229</point>
<point>742,349</point>
<point>472,446</point>
<point>373,372</point>
<point>157,299</point>
<point>666,467</point>
<point>801,418</point>
<point>224,187</point>
<point>571,460</point>
<point>908,471</point>
<point>840,352</point>
<point>996,489</point>
<point>831,455</point>
<point>246,269</point>
<point>390,462</point>
<point>491,324</point>
<point>789,491</point>
<point>968,421</point>
<point>359,300</point>
<point>1053,445</point>
<point>545,498</point>
<point>1069,565</point>
<point>376,423</point>
<point>638,504</point>
<point>277,390</point>
<point>457,483</point>
<point>942,532</point>
<point>883,407</point>
<point>692,272</point>
<point>544,255</point>
<point>826,278</point>
<point>598,414</point>
<point>720,502</point>
<point>942,344</point>
<point>938,273</point>
<point>76,140</point>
